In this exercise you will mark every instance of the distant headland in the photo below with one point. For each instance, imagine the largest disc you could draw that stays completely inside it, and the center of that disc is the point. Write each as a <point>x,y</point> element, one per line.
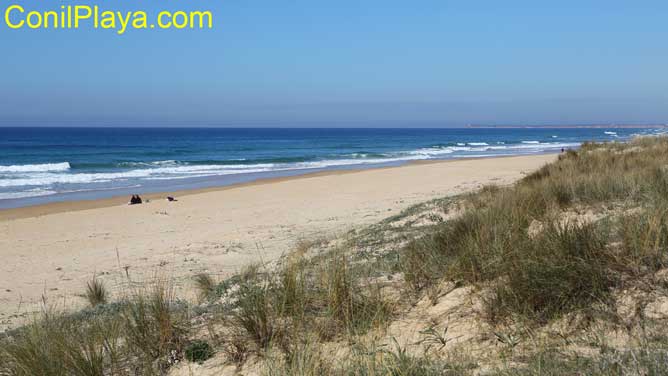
<point>568,126</point>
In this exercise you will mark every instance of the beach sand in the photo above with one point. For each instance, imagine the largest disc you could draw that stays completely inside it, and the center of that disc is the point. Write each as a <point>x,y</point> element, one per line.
<point>49,252</point>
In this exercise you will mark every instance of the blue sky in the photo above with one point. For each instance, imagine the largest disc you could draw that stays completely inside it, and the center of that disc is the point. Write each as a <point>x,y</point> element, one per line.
<point>346,63</point>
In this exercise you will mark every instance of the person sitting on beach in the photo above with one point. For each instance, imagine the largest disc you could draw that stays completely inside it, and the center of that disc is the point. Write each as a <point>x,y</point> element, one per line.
<point>135,200</point>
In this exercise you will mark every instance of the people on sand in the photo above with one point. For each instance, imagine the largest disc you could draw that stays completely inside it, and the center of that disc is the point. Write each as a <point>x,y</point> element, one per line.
<point>170,199</point>
<point>135,200</point>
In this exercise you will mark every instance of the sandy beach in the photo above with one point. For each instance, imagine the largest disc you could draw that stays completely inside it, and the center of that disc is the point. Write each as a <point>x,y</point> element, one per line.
<point>49,252</point>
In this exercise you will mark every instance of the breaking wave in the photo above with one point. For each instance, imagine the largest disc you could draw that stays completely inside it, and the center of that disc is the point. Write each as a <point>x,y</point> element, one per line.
<point>21,181</point>
<point>36,167</point>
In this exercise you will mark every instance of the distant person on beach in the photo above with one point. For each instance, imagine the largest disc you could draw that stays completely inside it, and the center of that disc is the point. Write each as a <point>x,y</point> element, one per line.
<point>135,200</point>
<point>170,199</point>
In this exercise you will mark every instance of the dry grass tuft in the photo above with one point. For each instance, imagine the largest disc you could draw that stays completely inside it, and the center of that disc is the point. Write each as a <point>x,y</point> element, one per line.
<point>96,292</point>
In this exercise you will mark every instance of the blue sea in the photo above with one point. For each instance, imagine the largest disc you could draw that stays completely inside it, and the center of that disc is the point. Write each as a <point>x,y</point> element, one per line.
<point>40,165</point>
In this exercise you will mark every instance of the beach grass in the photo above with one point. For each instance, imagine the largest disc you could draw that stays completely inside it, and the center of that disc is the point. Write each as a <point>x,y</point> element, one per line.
<point>144,333</point>
<point>535,240</point>
<point>205,285</point>
<point>96,292</point>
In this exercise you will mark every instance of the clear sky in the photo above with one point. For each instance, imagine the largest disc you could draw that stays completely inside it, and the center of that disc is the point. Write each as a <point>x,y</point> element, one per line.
<point>346,63</point>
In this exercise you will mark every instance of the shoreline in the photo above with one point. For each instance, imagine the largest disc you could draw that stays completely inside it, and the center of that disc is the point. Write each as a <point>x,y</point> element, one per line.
<point>39,210</point>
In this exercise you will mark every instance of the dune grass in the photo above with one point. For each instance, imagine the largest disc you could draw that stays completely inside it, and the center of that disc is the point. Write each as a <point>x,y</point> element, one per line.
<point>646,359</point>
<point>562,266</point>
<point>321,297</point>
<point>205,285</point>
<point>143,335</point>
<point>96,292</point>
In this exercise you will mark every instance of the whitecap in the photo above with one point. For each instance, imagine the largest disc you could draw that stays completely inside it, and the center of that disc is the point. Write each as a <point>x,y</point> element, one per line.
<point>64,166</point>
<point>25,194</point>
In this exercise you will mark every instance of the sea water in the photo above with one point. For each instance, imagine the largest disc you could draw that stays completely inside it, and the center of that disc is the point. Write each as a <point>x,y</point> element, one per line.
<point>40,165</point>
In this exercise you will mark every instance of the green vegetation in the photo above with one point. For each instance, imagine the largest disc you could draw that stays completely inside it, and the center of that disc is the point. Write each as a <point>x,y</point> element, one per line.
<point>205,285</point>
<point>199,351</point>
<point>544,258</point>
<point>646,360</point>
<point>576,248</point>
<point>320,297</point>
<point>143,335</point>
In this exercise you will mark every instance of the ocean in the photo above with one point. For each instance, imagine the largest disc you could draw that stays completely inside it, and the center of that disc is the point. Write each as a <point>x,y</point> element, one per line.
<point>41,165</point>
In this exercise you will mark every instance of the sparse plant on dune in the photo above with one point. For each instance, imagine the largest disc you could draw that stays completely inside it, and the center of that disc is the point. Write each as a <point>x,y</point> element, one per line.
<point>96,292</point>
<point>644,238</point>
<point>321,297</point>
<point>205,286</point>
<point>255,313</point>
<point>152,325</point>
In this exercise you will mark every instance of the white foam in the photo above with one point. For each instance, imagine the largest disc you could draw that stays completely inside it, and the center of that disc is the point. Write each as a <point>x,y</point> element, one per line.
<point>57,177</point>
<point>25,194</point>
<point>36,167</point>
<point>179,172</point>
<point>524,147</point>
<point>478,143</point>
<point>435,151</point>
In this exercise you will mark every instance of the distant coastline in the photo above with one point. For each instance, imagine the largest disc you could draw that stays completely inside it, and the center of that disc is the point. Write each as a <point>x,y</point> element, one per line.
<point>582,126</point>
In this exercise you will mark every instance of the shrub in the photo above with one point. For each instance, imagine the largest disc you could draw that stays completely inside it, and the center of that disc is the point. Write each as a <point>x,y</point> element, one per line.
<point>198,351</point>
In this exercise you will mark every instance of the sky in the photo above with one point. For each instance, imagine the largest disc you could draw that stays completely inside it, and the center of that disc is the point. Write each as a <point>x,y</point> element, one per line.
<point>345,63</point>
